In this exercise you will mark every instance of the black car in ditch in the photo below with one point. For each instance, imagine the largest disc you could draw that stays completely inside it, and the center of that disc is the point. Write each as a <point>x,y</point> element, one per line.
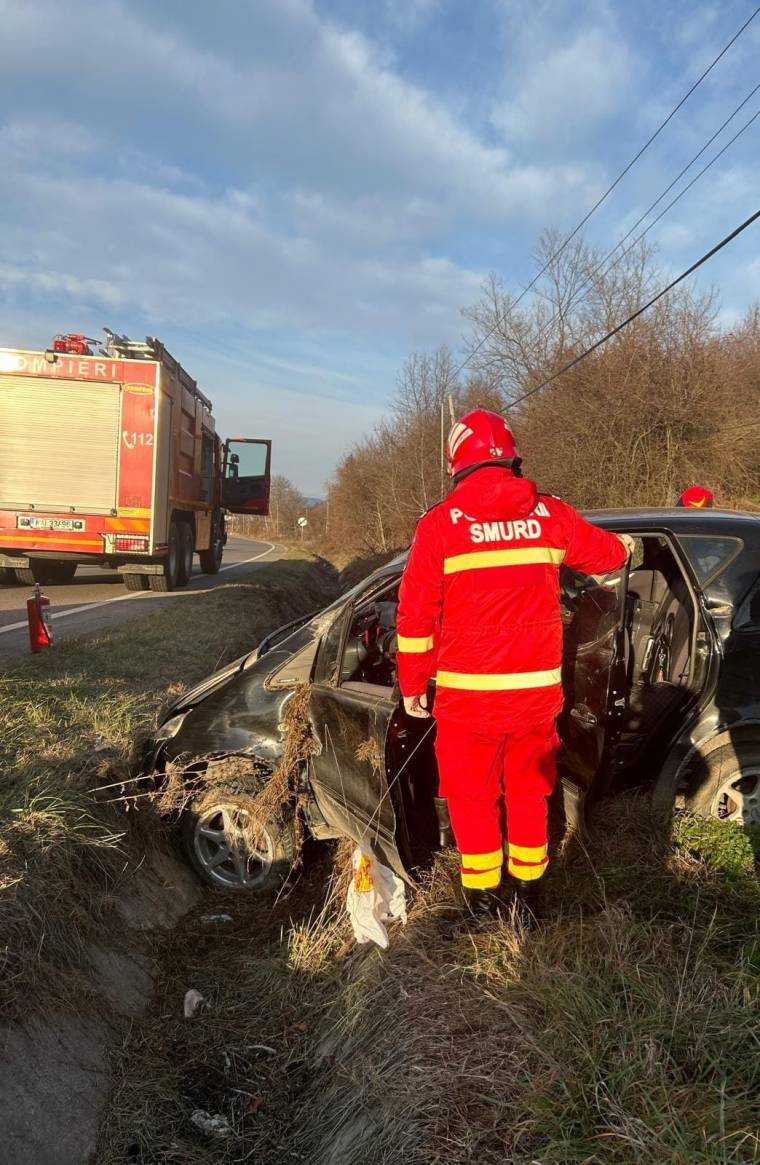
<point>662,683</point>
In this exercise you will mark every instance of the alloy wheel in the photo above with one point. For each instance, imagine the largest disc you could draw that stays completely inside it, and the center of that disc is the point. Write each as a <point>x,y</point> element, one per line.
<point>226,853</point>
<point>737,798</point>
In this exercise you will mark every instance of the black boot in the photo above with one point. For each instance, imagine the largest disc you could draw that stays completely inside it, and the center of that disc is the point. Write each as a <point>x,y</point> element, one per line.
<point>480,906</point>
<point>525,897</point>
<point>445,834</point>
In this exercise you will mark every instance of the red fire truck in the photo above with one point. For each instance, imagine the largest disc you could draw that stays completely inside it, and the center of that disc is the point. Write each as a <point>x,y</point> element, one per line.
<point>112,458</point>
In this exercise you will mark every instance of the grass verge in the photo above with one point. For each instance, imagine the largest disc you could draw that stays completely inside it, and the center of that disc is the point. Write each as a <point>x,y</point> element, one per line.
<point>624,1029</point>
<point>68,718</point>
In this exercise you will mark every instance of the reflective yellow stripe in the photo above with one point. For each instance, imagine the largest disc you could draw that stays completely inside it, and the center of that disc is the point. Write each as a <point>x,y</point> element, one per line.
<point>498,682</point>
<point>528,853</point>
<point>527,873</point>
<point>411,644</point>
<point>526,556</point>
<point>134,511</point>
<point>483,861</point>
<point>485,880</point>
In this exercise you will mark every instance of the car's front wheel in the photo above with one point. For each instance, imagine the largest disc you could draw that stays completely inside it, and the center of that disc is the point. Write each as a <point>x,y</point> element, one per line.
<point>227,853</point>
<point>730,787</point>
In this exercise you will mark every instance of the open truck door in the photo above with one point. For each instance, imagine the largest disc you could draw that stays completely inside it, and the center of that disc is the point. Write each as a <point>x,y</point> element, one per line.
<point>247,475</point>
<point>593,675</point>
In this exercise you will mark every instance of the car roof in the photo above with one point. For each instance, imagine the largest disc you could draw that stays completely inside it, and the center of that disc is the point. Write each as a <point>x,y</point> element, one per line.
<point>681,520</point>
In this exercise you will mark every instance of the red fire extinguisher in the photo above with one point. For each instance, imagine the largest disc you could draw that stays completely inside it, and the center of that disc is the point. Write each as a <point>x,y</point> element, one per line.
<point>38,616</point>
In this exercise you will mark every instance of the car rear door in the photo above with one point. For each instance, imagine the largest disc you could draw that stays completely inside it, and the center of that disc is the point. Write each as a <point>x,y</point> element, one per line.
<point>593,671</point>
<point>352,718</point>
<point>348,775</point>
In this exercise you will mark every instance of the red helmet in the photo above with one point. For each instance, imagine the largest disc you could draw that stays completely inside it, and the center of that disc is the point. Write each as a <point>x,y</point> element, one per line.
<point>478,438</point>
<point>697,497</point>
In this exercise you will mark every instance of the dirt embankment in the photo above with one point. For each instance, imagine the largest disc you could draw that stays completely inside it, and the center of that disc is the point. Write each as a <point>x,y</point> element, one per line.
<point>88,892</point>
<point>351,568</point>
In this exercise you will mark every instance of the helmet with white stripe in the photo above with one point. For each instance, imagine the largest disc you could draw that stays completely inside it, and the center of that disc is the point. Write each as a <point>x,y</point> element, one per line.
<point>481,438</point>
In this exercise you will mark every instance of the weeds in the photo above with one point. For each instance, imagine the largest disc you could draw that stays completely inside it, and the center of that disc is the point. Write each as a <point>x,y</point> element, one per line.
<point>68,721</point>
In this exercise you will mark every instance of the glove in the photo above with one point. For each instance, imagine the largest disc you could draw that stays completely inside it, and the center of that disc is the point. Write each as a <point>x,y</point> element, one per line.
<point>628,542</point>
<point>417,706</point>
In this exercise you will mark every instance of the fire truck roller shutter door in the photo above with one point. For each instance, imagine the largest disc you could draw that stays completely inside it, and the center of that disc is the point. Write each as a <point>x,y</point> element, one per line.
<point>59,444</point>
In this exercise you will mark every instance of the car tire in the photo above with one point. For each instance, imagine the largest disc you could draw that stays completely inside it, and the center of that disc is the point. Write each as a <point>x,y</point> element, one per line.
<point>135,582</point>
<point>729,790</point>
<point>212,825</point>
<point>169,579</point>
<point>186,552</point>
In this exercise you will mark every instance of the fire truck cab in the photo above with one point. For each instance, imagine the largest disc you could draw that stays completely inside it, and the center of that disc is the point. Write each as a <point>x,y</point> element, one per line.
<point>113,458</point>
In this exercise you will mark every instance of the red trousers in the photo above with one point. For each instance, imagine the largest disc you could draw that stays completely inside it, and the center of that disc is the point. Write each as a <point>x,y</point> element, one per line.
<point>497,788</point>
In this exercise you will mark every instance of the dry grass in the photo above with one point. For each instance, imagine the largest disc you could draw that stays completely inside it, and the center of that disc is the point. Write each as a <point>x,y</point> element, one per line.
<point>68,720</point>
<point>244,1055</point>
<point>623,1030</point>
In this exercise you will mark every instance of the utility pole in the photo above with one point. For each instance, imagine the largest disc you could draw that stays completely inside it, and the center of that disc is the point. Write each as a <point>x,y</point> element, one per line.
<point>443,452</point>
<point>443,438</point>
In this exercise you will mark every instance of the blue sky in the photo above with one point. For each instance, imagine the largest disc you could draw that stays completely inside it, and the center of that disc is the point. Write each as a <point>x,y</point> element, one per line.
<point>294,194</point>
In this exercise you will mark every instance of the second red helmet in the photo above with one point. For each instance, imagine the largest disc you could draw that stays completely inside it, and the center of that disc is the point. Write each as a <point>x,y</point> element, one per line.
<point>479,437</point>
<point>697,497</point>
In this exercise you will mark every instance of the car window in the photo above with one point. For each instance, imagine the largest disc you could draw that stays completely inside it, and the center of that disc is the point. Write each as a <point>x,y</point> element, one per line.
<point>749,612</point>
<point>637,555</point>
<point>326,670</point>
<point>709,555</point>
<point>369,656</point>
<point>296,669</point>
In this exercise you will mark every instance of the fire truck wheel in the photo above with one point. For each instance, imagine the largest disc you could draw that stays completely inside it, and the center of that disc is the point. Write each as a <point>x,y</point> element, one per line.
<point>211,559</point>
<point>187,550</point>
<point>135,582</point>
<point>46,573</point>
<point>54,572</point>
<point>168,580</point>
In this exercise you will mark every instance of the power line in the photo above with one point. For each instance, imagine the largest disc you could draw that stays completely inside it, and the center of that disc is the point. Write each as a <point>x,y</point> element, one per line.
<point>589,279</point>
<point>609,189</point>
<point>684,275</point>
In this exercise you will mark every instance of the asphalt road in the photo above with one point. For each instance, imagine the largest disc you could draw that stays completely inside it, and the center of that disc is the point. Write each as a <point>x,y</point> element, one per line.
<point>97,599</point>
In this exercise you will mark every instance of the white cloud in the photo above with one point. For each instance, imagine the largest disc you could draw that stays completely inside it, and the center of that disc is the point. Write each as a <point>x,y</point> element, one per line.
<point>309,102</point>
<point>408,15</point>
<point>565,96</point>
<point>675,236</point>
<point>61,284</point>
<point>194,259</point>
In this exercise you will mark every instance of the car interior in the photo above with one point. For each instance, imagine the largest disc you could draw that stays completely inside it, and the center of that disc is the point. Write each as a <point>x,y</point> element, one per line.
<point>369,656</point>
<point>660,628</point>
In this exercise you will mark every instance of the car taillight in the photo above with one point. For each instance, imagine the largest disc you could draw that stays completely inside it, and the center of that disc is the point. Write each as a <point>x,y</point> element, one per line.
<point>129,542</point>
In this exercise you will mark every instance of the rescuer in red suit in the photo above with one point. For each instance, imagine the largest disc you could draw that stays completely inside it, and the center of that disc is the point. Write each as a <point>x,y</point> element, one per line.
<point>479,611</point>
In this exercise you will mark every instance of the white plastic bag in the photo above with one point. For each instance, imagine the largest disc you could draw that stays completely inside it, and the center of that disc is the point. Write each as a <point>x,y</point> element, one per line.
<point>375,895</point>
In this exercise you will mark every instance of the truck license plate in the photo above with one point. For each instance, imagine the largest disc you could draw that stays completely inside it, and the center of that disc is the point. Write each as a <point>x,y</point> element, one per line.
<point>29,522</point>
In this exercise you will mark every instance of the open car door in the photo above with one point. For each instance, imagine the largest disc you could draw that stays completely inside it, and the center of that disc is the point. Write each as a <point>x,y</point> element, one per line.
<point>593,672</point>
<point>368,775</point>
<point>246,475</point>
